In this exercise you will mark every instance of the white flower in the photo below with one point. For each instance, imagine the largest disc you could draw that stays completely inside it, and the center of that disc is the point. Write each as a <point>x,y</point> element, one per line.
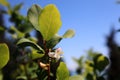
<point>56,54</point>
<point>51,54</point>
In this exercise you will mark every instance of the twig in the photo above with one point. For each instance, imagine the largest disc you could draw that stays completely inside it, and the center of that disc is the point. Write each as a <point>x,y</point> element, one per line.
<point>49,69</point>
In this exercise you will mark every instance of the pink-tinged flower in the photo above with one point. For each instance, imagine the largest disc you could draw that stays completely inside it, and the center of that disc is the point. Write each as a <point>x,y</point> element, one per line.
<point>56,54</point>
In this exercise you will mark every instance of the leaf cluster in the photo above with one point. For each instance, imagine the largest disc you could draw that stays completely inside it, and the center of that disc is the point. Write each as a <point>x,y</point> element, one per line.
<point>30,60</point>
<point>93,66</point>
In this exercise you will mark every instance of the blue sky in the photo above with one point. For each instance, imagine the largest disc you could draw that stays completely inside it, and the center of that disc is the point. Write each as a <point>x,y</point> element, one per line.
<point>91,20</point>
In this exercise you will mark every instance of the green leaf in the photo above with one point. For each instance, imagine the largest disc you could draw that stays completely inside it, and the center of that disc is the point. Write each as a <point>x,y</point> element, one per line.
<point>100,62</point>
<point>25,42</point>
<point>53,41</point>
<point>4,2</point>
<point>33,39</point>
<point>18,33</point>
<point>21,78</point>
<point>62,72</point>
<point>69,33</point>
<point>89,66</point>
<point>49,21</point>
<point>25,27</point>
<point>1,76</point>
<point>4,55</point>
<point>18,7</point>
<point>89,77</point>
<point>2,29</point>
<point>33,15</point>
<point>79,61</point>
<point>36,55</point>
<point>76,77</point>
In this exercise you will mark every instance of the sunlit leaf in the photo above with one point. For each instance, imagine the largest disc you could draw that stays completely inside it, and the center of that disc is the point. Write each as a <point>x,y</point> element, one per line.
<point>4,55</point>
<point>76,77</point>
<point>25,42</point>
<point>33,15</point>
<point>49,21</point>
<point>53,41</point>
<point>4,2</point>
<point>69,34</point>
<point>89,66</point>
<point>36,55</point>
<point>21,78</point>
<point>33,39</point>
<point>62,72</point>
<point>101,62</point>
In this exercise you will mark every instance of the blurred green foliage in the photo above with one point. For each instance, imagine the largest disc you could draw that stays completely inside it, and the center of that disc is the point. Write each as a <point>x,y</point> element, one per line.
<point>92,67</point>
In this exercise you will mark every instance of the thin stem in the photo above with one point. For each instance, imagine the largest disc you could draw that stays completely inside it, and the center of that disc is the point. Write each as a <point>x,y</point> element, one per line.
<point>46,53</point>
<point>49,69</point>
<point>49,66</point>
<point>45,48</point>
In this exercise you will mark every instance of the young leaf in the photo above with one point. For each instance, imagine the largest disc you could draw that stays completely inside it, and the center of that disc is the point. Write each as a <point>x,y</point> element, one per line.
<point>76,77</point>
<point>53,41</point>
<point>49,21</point>
<point>33,15</point>
<point>4,55</point>
<point>101,62</point>
<point>25,42</point>
<point>69,34</point>
<point>62,72</point>
<point>18,7</point>
<point>36,55</point>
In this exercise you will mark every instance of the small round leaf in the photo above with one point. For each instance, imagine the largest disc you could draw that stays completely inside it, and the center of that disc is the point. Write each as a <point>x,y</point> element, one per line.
<point>4,55</point>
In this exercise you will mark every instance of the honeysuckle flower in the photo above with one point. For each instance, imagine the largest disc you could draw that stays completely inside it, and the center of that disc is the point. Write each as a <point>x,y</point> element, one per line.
<point>56,54</point>
<point>44,66</point>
